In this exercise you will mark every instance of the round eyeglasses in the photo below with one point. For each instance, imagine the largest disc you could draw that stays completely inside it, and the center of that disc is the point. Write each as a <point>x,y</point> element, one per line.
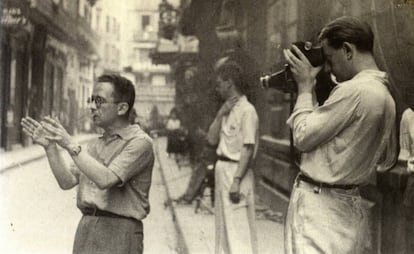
<point>98,100</point>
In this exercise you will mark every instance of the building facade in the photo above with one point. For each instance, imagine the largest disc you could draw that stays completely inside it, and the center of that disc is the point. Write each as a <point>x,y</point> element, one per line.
<point>154,86</point>
<point>48,56</point>
<point>107,21</point>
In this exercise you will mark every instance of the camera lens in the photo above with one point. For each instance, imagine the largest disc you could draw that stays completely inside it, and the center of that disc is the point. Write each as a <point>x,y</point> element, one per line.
<point>264,80</point>
<point>308,45</point>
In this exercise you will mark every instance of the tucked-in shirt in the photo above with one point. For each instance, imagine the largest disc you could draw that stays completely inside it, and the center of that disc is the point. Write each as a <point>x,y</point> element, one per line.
<point>345,140</point>
<point>407,138</point>
<point>238,128</point>
<point>128,153</point>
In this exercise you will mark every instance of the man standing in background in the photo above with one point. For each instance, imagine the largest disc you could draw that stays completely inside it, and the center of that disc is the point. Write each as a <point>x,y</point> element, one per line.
<point>235,130</point>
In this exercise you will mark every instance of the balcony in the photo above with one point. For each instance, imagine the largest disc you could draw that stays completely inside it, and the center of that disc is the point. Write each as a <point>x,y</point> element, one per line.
<point>145,36</point>
<point>149,67</point>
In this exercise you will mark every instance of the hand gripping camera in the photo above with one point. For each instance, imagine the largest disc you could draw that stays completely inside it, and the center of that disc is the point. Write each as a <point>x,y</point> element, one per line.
<point>283,79</point>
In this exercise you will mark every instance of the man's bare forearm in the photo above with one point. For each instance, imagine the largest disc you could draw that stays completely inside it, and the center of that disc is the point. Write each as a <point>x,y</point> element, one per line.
<point>98,173</point>
<point>60,169</point>
<point>244,162</point>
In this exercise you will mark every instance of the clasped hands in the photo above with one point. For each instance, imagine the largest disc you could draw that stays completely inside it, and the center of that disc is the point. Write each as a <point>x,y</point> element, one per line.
<point>47,132</point>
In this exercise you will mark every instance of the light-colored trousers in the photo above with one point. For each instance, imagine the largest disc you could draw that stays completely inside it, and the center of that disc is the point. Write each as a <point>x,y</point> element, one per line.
<point>235,223</point>
<point>331,221</point>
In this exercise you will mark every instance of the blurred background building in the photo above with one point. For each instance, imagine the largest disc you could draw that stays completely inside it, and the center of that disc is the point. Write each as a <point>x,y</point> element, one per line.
<point>154,84</point>
<point>49,52</point>
<point>52,50</point>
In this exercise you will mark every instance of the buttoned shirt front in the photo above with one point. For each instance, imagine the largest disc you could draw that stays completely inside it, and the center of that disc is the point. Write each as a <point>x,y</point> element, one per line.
<point>238,128</point>
<point>351,135</point>
<point>128,153</point>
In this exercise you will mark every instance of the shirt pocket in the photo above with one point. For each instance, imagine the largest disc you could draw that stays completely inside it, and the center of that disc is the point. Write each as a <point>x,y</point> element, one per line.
<point>232,127</point>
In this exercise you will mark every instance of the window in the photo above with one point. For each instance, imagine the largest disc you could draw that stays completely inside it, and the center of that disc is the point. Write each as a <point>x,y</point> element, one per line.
<point>137,53</point>
<point>98,19</point>
<point>159,80</point>
<point>88,14</point>
<point>106,53</point>
<point>144,56</point>
<point>108,23</point>
<point>145,21</point>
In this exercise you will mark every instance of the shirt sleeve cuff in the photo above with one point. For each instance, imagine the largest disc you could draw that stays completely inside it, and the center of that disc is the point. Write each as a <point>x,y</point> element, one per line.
<point>304,100</point>
<point>304,103</point>
<point>119,174</point>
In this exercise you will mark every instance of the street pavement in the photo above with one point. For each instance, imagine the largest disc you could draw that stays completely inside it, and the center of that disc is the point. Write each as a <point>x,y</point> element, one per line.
<point>198,228</point>
<point>36,216</point>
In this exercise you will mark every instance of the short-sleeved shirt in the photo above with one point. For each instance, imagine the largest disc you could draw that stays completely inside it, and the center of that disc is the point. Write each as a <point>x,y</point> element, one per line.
<point>128,153</point>
<point>238,128</point>
<point>351,134</point>
<point>407,137</point>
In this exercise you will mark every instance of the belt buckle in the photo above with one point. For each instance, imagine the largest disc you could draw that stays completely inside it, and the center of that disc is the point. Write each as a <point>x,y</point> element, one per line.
<point>317,189</point>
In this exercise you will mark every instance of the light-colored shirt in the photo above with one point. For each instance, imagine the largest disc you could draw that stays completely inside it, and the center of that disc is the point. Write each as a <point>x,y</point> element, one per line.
<point>173,124</point>
<point>129,154</point>
<point>238,128</point>
<point>351,135</point>
<point>407,138</point>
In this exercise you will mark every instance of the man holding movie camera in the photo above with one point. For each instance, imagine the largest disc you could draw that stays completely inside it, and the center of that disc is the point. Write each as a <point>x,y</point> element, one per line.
<point>343,142</point>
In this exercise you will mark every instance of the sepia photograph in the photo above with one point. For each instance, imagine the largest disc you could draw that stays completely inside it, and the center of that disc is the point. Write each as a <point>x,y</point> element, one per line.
<point>207,126</point>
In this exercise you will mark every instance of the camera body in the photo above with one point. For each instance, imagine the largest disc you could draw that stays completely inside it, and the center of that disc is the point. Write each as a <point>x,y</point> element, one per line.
<point>283,79</point>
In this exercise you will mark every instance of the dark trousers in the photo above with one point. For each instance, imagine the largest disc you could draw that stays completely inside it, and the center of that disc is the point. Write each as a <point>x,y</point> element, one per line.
<point>106,235</point>
<point>196,181</point>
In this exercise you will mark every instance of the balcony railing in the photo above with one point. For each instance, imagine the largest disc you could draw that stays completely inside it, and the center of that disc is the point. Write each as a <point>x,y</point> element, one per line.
<point>145,36</point>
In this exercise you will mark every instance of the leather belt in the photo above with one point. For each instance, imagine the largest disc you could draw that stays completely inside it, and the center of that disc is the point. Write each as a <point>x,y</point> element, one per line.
<point>307,179</point>
<point>101,213</point>
<point>224,158</point>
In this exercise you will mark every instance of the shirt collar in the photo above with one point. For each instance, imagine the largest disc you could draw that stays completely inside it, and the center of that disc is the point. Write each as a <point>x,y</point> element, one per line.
<point>376,74</point>
<point>125,133</point>
<point>242,99</point>
<point>371,72</point>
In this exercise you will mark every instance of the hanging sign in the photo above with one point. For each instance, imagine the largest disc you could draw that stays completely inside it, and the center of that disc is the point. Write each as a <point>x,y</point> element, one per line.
<point>12,17</point>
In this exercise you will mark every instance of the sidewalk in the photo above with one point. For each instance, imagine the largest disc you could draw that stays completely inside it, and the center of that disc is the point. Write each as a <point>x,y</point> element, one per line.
<point>9,160</point>
<point>197,229</point>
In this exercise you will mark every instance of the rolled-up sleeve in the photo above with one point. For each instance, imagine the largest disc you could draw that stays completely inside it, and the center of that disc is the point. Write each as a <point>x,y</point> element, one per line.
<point>135,157</point>
<point>312,127</point>
<point>249,126</point>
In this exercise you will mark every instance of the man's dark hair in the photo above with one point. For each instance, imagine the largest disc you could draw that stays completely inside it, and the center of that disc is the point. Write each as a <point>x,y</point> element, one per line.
<point>124,90</point>
<point>351,30</point>
<point>232,70</point>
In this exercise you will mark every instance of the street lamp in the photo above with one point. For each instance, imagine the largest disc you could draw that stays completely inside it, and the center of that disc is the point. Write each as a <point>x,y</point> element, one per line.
<point>168,20</point>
